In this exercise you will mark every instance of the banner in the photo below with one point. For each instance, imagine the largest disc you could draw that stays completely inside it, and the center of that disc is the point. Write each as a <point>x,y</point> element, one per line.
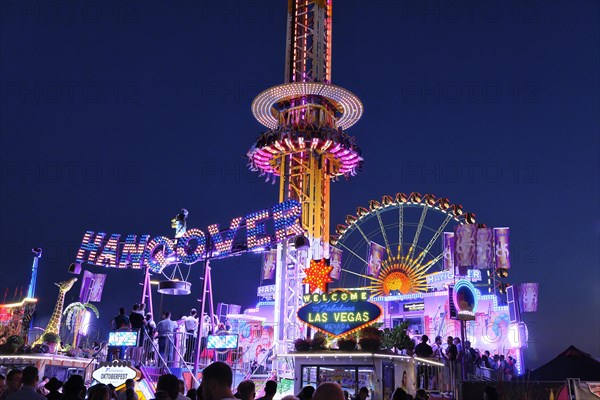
<point>528,297</point>
<point>269,264</point>
<point>375,257</point>
<point>449,251</point>
<point>485,246</point>
<point>335,261</point>
<point>501,243</point>
<point>86,283</point>
<point>465,254</point>
<point>97,287</point>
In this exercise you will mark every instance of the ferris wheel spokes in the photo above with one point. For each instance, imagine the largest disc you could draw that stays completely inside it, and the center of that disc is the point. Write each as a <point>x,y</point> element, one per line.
<point>352,251</point>
<point>417,233</point>
<point>434,239</point>
<point>362,233</point>
<point>430,263</point>
<point>400,229</point>
<point>385,239</point>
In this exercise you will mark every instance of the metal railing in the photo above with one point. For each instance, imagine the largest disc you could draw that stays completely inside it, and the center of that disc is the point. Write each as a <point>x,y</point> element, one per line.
<point>157,356</point>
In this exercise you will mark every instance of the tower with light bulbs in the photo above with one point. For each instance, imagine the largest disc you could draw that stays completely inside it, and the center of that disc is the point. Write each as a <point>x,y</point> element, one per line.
<point>306,147</point>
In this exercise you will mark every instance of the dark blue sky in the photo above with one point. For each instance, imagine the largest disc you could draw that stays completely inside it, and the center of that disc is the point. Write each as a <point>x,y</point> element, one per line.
<point>116,115</point>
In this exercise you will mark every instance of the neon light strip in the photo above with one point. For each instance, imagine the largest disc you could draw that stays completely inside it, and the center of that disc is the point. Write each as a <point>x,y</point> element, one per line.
<point>365,355</point>
<point>25,300</point>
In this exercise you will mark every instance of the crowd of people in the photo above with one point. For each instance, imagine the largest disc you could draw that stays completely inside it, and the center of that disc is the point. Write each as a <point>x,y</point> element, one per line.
<point>216,384</point>
<point>25,384</point>
<point>309,132</point>
<point>456,356</point>
<point>168,334</point>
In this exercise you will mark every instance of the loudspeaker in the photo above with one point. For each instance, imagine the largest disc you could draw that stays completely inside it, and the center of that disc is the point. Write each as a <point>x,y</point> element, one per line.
<point>75,268</point>
<point>301,242</point>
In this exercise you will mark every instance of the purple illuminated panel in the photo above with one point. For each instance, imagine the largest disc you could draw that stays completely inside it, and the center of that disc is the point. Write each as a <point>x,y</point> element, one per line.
<point>449,251</point>
<point>501,244</point>
<point>485,248</point>
<point>528,297</point>
<point>465,252</point>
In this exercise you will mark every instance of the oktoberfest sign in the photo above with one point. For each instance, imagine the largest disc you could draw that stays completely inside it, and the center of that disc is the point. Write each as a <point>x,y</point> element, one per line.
<point>338,312</point>
<point>262,229</point>
<point>114,373</point>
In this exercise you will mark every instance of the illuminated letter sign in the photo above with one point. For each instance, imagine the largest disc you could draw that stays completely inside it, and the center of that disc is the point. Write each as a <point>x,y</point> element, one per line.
<point>287,216</point>
<point>90,246</point>
<point>108,257</point>
<point>186,253</point>
<point>338,313</point>
<point>223,244</point>
<point>132,253</point>
<point>283,219</point>
<point>256,233</point>
<point>157,252</point>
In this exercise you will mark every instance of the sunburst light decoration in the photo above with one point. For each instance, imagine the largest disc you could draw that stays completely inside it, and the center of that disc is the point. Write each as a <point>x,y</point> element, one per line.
<point>400,275</point>
<point>317,275</point>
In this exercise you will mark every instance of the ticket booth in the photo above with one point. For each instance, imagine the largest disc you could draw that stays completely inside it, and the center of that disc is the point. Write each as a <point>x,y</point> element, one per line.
<point>380,373</point>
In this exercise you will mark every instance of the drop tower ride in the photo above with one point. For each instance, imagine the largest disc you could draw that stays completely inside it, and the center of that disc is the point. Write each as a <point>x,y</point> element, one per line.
<point>306,146</point>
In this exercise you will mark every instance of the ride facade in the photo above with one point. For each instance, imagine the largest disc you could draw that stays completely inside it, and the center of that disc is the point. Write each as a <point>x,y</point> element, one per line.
<point>407,260</point>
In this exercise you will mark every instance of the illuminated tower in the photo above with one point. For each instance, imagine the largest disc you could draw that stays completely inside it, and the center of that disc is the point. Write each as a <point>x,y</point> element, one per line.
<point>305,146</point>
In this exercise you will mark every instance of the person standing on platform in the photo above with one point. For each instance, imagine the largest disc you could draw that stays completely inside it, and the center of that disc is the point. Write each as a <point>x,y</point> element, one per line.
<point>437,347</point>
<point>119,323</point>
<point>425,351</point>
<point>150,329</point>
<point>206,330</point>
<point>450,355</point>
<point>165,329</point>
<point>191,328</point>
<point>137,321</point>
<point>136,318</point>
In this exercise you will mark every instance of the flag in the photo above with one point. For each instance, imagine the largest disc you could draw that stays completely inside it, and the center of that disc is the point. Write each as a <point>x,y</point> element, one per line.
<point>97,287</point>
<point>269,264</point>
<point>86,283</point>
<point>528,297</point>
<point>465,254</point>
<point>375,257</point>
<point>449,251</point>
<point>335,261</point>
<point>501,244</point>
<point>485,246</point>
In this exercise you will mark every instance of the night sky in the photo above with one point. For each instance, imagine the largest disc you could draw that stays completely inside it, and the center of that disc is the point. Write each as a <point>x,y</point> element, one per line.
<point>115,115</point>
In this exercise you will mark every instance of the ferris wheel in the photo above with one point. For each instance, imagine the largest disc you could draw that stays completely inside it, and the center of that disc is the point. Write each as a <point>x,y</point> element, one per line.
<point>391,246</point>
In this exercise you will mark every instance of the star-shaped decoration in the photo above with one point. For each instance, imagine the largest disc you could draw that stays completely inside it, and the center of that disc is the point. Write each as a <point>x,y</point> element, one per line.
<point>317,275</point>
